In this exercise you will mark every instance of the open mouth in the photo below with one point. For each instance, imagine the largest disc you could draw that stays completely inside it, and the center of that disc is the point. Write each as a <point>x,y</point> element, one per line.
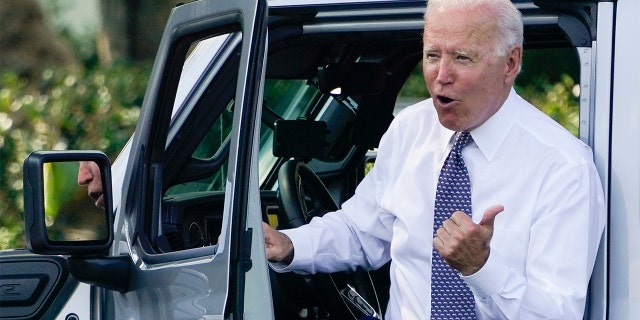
<point>444,100</point>
<point>95,195</point>
<point>100,201</point>
<point>98,197</point>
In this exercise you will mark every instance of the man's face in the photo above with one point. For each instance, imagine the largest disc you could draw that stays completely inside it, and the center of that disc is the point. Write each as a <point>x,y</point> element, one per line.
<point>89,175</point>
<point>466,78</point>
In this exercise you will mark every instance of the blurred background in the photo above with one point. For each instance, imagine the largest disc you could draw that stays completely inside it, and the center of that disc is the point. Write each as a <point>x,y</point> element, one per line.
<point>73,74</point>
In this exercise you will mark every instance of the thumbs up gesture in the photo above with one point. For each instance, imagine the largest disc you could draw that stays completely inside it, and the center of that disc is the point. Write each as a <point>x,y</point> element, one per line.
<point>463,244</point>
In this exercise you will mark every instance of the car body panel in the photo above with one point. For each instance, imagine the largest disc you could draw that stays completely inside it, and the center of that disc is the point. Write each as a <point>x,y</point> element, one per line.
<point>624,185</point>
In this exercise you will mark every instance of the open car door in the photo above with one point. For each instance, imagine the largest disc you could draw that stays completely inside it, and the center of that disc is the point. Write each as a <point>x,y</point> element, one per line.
<point>185,238</point>
<point>191,254</point>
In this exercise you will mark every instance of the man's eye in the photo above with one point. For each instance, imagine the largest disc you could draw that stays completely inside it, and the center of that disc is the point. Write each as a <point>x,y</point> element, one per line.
<point>430,56</point>
<point>463,58</point>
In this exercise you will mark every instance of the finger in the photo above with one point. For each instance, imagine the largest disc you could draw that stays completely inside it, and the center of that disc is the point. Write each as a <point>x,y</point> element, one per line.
<point>490,214</point>
<point>444,236</point>
<point>443,243</point>
<point>461,219</point>
<point>437,243</point>
<point>450,226</point>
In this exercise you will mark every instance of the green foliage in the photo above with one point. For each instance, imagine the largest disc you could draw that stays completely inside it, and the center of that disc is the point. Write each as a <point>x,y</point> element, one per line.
<point>60,184</point>
<point>559,100</point>
<point>91,109</point>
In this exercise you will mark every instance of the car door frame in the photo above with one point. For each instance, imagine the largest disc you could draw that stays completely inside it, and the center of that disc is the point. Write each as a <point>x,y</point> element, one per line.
<point>224,267</point>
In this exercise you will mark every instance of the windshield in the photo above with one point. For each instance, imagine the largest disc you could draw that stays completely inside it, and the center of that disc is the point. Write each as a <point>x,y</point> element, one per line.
<point>289,99</point>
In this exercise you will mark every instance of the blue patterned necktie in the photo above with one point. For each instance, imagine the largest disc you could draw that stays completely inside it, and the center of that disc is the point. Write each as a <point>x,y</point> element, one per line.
<point>450,296</point>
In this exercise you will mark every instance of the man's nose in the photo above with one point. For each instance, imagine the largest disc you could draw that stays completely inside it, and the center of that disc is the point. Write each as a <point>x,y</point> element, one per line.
<point>445,71</point>
<point>84,176</point>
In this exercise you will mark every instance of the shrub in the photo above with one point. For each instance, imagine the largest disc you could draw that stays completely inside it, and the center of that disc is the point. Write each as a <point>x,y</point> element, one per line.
<point>91,109</point>
<point>559,100</point>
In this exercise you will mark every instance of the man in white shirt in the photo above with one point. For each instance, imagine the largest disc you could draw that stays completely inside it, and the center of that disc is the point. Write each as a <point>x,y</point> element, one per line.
<point>538,212</point>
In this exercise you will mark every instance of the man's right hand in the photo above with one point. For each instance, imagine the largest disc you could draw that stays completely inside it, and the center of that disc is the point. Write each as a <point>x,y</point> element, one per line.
<point>278,246</point>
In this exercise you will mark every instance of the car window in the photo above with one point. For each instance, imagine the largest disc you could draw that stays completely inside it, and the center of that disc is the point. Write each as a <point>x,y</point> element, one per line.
<point>199,57</point>
<point>193,202</point>
<point>289,99</point>
<point>193,209</point>
<point>208,149</point>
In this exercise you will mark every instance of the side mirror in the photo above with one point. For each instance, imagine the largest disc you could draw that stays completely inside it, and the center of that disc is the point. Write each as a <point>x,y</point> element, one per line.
<point>68,205</point>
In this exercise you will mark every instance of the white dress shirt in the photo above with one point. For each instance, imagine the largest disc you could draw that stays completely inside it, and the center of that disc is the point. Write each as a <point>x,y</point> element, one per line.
<point>544,243</point>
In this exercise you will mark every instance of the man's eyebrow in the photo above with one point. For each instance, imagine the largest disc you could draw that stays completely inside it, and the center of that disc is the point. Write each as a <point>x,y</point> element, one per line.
<point>464,52</point>
<point>429,48</point>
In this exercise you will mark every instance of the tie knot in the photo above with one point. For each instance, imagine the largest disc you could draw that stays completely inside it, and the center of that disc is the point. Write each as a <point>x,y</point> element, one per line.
<point>462,140</point>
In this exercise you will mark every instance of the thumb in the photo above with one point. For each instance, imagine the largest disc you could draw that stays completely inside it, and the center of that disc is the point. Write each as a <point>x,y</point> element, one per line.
<point>490,215</point>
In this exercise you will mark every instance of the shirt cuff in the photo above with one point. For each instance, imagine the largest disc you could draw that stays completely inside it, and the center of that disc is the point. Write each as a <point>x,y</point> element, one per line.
<point>490,279</point>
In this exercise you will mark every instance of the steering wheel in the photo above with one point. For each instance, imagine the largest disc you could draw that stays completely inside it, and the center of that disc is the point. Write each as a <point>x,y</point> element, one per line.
<point>302,196</point>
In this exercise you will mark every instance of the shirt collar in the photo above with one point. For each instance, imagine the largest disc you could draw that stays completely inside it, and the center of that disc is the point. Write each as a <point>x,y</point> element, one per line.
<point>492,133</point>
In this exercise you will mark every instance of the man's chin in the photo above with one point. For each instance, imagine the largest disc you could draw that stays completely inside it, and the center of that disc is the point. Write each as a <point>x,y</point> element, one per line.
<point>451,124</point>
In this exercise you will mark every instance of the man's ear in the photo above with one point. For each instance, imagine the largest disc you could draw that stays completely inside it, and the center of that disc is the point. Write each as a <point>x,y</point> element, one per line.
<point>514,61</point>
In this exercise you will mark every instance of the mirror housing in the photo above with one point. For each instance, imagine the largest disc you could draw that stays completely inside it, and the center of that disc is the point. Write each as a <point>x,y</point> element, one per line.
<point>45,184</point>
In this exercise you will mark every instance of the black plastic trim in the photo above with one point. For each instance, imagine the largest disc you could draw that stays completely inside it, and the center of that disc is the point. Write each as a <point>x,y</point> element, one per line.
<point>35,224</point>
<point>47,281</point>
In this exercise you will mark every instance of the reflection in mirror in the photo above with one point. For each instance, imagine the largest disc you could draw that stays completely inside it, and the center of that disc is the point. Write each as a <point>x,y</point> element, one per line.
<point>74,201</point>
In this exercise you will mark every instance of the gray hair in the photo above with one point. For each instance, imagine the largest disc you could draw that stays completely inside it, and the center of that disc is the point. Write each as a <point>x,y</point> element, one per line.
<point>508,20</point>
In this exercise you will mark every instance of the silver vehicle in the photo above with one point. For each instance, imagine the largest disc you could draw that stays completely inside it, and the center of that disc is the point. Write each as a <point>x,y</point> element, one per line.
<point>261,111</point>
